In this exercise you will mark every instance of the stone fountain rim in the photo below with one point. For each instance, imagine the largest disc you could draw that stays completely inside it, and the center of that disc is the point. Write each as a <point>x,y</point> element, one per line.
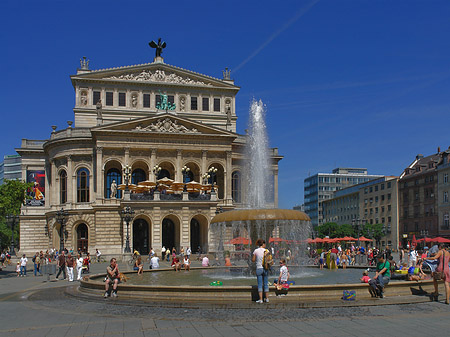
<point>260,214</point>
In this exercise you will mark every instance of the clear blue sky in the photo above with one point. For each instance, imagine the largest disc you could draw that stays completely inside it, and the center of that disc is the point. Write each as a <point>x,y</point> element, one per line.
<point>346,83</point>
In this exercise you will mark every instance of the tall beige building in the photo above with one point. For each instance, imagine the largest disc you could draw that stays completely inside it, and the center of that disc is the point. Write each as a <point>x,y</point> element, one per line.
<point>137,117</point>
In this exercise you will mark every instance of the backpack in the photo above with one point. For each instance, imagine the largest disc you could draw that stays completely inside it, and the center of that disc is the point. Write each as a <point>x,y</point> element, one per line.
<point>267,260</point>
<point>34,259</point>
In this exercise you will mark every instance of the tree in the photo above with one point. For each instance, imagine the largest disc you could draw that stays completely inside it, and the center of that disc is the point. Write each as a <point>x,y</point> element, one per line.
<point>12,196</point>
<point>333,230</point>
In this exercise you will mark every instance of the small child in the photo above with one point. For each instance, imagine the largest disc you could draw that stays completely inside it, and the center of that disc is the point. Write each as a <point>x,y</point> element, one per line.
<point>282,286</point>
<point>366,279</point>
<point>18,269</point>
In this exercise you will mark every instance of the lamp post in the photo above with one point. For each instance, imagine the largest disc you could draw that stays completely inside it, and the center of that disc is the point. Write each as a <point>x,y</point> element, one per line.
<point>127,215</point>
<point>357,224</point>
<point>185,170</point>
<point>212,172</point>
<point>156,170</point>
<point>12,219</point>
<point>205,178</point>
<point>127,178</point>
<point>61,216</point>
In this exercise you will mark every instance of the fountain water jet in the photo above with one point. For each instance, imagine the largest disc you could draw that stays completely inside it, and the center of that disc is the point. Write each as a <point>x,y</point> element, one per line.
<point>258,219</point>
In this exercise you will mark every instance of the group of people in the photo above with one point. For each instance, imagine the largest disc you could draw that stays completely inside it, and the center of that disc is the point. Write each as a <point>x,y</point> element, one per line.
<point>67,265</point>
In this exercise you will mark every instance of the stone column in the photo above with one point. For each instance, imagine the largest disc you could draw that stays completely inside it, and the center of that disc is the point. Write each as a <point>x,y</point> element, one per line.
<point>99,173</point>
<point>204,162</point>
<point>71,182</point>
<point>227,179</point>
<point>275,188</point>
<point>184,232</point>
<point>178,174</point>
<point>156,230</point>
<point>152,164</point>
<point>127,156</point>
<point>54,196</point>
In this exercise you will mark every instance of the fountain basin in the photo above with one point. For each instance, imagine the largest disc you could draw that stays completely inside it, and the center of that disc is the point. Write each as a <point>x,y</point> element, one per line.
<point>241,296</point>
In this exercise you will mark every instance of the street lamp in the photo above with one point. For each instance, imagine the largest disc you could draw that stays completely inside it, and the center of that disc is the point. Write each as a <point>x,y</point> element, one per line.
<point>127,215</point>
<point>212,172</point>
<point>185,170</point>
<point>357,224</point>
<point>156,170</point>
<point>12,220</point>
<point>205,178</point>
<point>126,176</point>
<point>61,216</point>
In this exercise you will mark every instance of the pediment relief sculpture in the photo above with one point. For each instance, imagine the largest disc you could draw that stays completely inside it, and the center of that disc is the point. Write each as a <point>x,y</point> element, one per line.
<point>159,76</point>
<point>165,125</point>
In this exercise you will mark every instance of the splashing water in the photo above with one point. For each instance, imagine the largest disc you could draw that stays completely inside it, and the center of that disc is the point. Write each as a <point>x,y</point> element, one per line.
<point>258,157</point>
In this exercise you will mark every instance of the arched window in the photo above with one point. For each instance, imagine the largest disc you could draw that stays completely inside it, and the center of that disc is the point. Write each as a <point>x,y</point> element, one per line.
<point>189,177</point>
<point>83,185</point>
<point>113,174</point>
<point>236,187</point>
<point>163,174</point>
<point>63,187</point>
<point>137,176</point>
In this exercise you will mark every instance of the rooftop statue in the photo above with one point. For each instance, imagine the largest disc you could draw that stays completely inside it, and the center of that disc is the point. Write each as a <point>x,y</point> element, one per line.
<point>159,47</point>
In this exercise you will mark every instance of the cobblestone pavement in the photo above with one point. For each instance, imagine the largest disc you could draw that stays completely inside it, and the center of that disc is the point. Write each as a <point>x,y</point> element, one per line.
<point>32,307</point>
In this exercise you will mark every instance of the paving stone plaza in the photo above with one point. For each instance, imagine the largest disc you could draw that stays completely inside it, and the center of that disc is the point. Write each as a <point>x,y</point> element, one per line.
<point>31,306</point>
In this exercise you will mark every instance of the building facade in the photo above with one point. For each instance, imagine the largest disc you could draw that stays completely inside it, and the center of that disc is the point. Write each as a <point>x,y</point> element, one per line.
<point>155,120</point>
<point>418,202</point>
<point>321,186</point>
<point>443,173</point>
<point>11,168</point>
<point>375,201</point>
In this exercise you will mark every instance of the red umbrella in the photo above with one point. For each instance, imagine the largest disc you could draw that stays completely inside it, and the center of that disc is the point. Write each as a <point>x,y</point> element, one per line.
<point>239,241</point>
<point>440,239</point>
<point>362,238</point>
<point>277,240</point>
<point>348,238</point>
<point>414,241</point>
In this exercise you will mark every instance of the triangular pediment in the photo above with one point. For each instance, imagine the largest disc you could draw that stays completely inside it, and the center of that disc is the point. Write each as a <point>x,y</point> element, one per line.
<point>154,73</point>
<point>164,124</point>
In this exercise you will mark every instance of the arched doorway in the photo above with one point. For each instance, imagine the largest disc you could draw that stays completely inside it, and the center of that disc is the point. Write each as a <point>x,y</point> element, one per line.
<point>199,234</point>
<point>170,233</point>
<point>141,236</point>
<point>82,238</point>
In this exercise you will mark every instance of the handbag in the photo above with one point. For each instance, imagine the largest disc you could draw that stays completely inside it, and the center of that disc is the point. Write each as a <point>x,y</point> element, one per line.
<point>439,275</point>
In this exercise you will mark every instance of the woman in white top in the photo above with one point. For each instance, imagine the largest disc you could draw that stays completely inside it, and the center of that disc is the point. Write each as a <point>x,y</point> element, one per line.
<point>262,275</point>
<point>187,263</point>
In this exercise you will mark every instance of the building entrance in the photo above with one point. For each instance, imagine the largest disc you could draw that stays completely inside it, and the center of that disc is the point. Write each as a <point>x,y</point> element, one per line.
<point>141,236</point>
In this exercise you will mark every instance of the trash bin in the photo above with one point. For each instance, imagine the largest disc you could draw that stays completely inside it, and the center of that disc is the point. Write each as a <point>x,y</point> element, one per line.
<point>48,269</point>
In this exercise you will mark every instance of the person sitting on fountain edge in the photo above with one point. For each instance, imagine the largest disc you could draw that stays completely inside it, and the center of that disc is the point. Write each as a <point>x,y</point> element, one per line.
<point>112,277</point>
<point>382,276</point>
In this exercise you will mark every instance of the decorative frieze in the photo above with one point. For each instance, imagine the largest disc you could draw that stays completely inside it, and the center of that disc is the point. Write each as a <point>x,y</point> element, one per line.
<point>159,76</point>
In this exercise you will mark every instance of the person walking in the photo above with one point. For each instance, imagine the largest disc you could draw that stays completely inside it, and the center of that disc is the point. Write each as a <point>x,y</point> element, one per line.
<point>69,264</point>
<point>79,266</point>
<point>442,272</point>
<point>61,264</point>
<point>23,265</point>
<point>262,275</point>
<point>36,261</point>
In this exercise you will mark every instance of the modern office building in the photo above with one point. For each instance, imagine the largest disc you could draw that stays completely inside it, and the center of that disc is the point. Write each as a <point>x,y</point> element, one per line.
<point>11,168</point>
<point>374,201</point>
<point>137,124</point>
<point>321,186</point>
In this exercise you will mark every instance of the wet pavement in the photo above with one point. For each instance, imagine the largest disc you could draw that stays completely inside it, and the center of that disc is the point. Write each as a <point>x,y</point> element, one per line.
<point>30,306</point>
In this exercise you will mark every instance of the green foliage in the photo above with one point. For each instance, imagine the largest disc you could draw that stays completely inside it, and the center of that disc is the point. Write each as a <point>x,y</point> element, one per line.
<point>374,231</point>
<point>333,230</point>
<point>12,196</point>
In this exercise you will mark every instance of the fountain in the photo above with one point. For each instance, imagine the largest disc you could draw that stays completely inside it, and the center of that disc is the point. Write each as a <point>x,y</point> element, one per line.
<point>259,219</point>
